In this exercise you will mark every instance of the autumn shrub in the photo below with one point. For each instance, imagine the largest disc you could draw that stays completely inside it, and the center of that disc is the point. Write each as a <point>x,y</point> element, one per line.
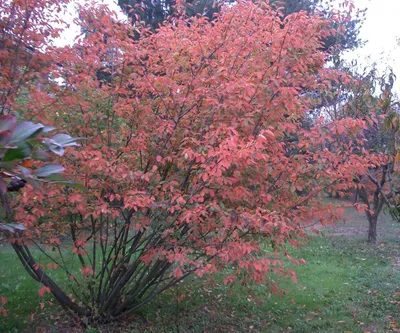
<point>195,159</point>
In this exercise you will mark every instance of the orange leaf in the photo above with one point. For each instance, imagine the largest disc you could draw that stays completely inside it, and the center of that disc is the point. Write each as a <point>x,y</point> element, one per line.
<point>27,163</point>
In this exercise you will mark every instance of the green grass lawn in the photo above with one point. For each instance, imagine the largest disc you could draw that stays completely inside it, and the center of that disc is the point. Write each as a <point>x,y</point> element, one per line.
<point>347,285</point>
<point>21,291</point>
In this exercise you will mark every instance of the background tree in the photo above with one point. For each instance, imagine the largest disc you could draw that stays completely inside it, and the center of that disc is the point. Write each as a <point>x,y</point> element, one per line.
<point>368,96</point>
<point>23,63</point>
<point>154,13</point>
<point>380,186</point>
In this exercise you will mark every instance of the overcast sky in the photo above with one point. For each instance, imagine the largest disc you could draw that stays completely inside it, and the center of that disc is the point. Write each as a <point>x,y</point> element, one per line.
<point>381,30</point>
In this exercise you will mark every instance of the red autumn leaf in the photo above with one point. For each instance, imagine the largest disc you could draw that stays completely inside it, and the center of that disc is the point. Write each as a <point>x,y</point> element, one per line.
<point>44,290</point>
<point>86,271</point>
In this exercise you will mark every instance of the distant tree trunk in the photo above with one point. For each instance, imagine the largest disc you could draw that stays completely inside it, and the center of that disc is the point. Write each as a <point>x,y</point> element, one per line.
<point>372,223</point>
<point>374,208</point>
<point>355,197</point>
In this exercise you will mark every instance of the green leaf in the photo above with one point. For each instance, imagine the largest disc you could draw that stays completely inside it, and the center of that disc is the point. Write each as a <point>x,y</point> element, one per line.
<point>7,122</point>
<point>32,182</point>
<point>47,129</point>
<point>56,177</point>
<point>56,149</point>
<point>7,165</point>
<point>5,137</point>
<point>72,184</point>
<point>25,172</point>
<point>60,180</point>
<point>48,170</point>
<point>5,227</point>
<point>22,151</point>
<point>66,140</point>
<point>25,130</point>
<point>41,155</point>
<point>16,226</point>
<point>11,227</point>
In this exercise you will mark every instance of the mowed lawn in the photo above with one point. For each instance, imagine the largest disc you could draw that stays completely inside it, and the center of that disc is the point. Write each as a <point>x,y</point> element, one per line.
<point>347,285</point>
